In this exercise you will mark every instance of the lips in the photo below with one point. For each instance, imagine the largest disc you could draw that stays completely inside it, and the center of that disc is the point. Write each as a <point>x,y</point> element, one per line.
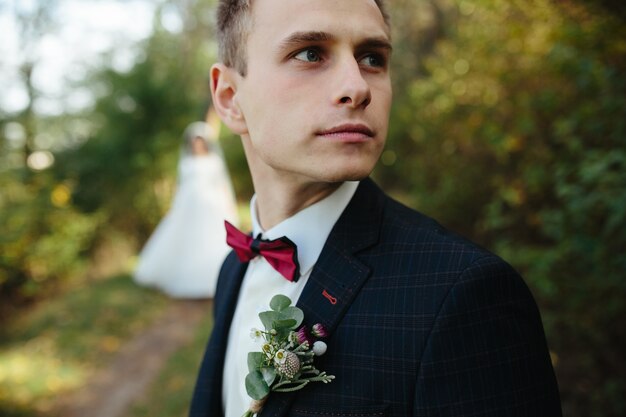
<point>349,132</point>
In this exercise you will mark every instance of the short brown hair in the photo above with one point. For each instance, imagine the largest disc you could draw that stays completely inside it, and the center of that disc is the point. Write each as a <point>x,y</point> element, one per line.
<point>233,26</point>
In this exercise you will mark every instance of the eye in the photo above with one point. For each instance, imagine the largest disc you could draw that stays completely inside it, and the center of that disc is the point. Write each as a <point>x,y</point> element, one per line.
<point>308,55</point>
<point>374,60</point>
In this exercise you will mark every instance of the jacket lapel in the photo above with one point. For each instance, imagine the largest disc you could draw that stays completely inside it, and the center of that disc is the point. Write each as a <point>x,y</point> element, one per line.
<point>225,303</point>
<point>338,274</point>
<point>226,299</point>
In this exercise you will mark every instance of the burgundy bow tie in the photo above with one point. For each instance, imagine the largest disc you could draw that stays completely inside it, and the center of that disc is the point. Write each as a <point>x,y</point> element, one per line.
<point>280,253</point>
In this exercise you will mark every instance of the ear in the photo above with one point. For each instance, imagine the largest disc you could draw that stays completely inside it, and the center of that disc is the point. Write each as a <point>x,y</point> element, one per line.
<point>224,93</point>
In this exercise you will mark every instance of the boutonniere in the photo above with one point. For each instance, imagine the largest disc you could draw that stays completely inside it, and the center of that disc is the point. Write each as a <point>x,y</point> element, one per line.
<point>285,362</point>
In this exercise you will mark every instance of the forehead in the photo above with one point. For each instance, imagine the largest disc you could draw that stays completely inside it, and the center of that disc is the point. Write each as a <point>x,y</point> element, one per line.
<point>273,20</point>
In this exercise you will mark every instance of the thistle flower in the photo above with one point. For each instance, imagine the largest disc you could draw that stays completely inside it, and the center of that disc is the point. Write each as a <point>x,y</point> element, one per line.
<point>318,330</point>
<point>304,336</point>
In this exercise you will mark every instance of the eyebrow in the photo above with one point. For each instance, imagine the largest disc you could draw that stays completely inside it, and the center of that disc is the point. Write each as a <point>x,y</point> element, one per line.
<point>298,38</point>
<point>376,43</point>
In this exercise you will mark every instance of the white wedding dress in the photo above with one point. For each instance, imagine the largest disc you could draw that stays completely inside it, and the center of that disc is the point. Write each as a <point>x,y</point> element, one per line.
<point>183,256</point>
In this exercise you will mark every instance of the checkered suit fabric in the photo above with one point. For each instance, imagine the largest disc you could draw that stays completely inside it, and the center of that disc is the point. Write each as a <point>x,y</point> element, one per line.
<point>426,324</point>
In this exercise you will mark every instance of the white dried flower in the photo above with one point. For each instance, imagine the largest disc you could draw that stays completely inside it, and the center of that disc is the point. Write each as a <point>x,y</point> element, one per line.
<point>255,333</point>
<point>280,357</point>
<point>319,348</point>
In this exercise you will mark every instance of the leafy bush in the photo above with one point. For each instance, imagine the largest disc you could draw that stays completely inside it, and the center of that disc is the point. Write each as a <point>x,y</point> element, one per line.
<point>43,238</point>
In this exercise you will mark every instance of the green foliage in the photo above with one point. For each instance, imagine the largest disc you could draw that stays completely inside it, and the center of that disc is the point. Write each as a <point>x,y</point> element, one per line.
<point>238,168</point>
<point>256,387</point>
<point>279,302</point>
<point>42,235</point>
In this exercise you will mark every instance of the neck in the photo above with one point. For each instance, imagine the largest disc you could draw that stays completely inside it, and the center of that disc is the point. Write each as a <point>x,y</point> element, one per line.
<point>279,194</point>
<point>277,201</point>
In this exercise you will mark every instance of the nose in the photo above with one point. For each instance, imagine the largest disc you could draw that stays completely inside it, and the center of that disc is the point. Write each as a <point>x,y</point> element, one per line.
<point>353,91</point>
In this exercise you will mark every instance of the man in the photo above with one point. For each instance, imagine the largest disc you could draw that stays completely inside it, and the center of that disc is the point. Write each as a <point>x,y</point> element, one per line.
<point>420,321</point>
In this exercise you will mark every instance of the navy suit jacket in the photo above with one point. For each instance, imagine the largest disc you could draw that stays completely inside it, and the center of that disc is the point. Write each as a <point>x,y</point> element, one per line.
<point>425,323</point>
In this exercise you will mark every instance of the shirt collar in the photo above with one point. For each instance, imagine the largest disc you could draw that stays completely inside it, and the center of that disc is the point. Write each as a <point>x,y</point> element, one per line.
<point>309,228</point>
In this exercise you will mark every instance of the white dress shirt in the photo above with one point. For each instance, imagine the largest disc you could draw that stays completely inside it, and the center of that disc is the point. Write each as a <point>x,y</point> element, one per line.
<point>308,229</point>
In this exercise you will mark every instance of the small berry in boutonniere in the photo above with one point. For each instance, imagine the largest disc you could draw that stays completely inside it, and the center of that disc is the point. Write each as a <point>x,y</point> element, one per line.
<point>285,362</point>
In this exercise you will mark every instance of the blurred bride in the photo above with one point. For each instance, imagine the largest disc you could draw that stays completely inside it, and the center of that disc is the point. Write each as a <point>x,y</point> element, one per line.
<point>183,256</point>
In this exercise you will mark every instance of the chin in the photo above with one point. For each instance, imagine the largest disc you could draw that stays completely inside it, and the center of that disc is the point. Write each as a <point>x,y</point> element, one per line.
<point>347,175</point>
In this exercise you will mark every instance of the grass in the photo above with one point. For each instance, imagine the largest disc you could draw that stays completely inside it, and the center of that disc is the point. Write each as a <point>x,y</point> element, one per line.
<point>54,348</point>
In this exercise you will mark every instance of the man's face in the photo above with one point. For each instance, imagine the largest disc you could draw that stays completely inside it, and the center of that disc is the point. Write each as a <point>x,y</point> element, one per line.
<point>317,92</point>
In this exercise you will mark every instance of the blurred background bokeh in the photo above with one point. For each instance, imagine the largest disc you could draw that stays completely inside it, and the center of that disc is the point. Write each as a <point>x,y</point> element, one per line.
<point>509,126</point>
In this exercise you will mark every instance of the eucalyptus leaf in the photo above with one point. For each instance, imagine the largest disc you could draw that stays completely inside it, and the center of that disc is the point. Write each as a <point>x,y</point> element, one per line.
<point>293,313</point>
<point>255,359</point>
<point>284,324</point>
<point>280,302</point>
<point>269,375</point>
<point>283,333</point>
<point>256,387</point>
<point>268,318</point>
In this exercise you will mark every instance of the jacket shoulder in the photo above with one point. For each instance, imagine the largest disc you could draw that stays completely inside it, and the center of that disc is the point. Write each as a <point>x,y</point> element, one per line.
<point>411,230</point>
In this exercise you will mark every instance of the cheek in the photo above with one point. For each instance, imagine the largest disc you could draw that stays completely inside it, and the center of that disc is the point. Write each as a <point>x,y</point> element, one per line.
<point>384,93</point>
<point>279,112</point>
<point>293,94</point>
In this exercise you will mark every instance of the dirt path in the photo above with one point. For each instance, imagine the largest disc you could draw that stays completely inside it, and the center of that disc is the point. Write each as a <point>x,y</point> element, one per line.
<point>114,389</point>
